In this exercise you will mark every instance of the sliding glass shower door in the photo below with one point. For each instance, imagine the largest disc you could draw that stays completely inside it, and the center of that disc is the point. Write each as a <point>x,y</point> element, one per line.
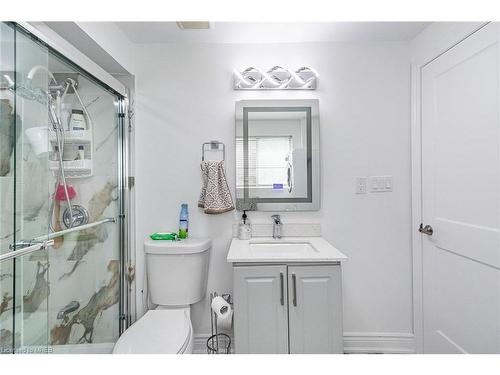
<point>61,208</point>
<point>30,184</point>
<point>7,193</point>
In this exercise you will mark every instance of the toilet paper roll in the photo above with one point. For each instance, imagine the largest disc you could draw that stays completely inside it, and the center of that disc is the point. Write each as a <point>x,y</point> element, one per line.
<point>220,307</point>
<point>225,323</point>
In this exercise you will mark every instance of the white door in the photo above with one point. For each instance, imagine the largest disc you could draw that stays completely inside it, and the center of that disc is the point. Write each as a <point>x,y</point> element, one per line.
<point>315,309</point>
<point>260,310</point>
<point>461,191</point>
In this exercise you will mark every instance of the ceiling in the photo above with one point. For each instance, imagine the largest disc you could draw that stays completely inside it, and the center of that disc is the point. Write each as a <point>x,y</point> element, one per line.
<point>254,32</point>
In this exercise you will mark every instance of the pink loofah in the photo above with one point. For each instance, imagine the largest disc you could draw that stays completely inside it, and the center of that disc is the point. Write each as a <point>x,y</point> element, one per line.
<point>61,195</point>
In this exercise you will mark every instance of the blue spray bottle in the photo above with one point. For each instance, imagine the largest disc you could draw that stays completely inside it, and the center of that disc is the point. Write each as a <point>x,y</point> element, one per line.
<point>183,221</point>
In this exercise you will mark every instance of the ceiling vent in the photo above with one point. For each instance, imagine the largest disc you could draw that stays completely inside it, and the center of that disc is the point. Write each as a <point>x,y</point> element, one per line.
<point>194,25</point>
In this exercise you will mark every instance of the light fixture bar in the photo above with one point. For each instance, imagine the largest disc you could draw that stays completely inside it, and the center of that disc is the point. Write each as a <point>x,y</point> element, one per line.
<point>276,78</point>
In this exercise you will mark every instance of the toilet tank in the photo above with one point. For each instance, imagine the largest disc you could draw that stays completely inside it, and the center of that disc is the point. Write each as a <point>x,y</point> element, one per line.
<point>177,271</point>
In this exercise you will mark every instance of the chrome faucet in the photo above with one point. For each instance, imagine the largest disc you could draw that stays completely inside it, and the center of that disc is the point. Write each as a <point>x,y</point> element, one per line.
<point>276,226</point>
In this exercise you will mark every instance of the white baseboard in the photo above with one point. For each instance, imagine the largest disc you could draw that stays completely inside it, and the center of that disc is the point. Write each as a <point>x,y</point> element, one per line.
<point>200,344</point>
<point>354,343</point>
<point>379,342</point>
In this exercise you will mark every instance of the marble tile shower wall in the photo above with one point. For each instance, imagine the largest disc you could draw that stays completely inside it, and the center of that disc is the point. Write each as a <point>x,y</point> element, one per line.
<point>85,268</point>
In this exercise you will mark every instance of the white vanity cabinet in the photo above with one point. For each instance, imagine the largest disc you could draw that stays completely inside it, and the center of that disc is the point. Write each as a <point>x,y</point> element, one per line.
<point>261,309</point>
<point>288,308</point>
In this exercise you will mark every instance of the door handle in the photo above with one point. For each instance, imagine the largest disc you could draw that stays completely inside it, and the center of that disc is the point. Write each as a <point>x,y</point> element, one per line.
<point>426,230</point>
<point>282,289</point>
<point>294,286</point>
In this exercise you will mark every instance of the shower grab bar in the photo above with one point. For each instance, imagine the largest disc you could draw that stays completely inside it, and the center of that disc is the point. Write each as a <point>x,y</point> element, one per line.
<point>42,242</point>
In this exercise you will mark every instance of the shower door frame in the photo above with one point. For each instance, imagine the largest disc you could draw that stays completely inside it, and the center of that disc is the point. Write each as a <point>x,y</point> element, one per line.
<point>125,208</point>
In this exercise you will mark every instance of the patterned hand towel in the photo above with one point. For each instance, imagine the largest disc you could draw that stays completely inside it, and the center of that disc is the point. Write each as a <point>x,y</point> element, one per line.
<point>215,195</point>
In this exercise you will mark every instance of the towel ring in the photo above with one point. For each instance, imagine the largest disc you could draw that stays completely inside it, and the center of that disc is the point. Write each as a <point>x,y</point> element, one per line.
<point>213,146</point>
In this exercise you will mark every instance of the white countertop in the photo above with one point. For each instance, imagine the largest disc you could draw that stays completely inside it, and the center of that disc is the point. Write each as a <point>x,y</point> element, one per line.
<point>240,251</point>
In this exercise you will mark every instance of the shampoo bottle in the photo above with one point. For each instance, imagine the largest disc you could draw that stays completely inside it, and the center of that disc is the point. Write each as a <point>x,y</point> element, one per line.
<point>81,153</point>
<point>183,221</point>
<point>77,120</point>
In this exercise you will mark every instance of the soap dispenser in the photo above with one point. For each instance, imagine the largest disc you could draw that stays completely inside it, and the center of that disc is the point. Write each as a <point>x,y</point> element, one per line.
<point>244,229</point>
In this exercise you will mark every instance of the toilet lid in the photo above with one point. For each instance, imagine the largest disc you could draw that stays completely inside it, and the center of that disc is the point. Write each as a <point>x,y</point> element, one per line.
<point>187,246</point>
<point>157,332</point>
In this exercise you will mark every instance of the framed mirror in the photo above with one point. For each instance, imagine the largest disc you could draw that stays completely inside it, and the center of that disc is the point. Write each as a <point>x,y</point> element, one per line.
<point>277,155</point>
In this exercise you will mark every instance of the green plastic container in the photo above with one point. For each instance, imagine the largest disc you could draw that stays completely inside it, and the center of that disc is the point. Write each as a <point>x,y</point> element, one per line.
<point>163,236</point>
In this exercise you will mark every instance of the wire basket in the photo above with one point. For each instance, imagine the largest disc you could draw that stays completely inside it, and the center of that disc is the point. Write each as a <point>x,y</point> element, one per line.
<point>219,344</point>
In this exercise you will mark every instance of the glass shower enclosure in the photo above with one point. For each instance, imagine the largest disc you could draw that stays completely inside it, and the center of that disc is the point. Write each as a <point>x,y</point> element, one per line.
<point>62,203</point>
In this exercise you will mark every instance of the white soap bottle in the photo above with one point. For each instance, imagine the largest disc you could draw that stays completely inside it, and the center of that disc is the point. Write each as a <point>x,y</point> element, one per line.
<point>77,120</point>
<point>244,228</point>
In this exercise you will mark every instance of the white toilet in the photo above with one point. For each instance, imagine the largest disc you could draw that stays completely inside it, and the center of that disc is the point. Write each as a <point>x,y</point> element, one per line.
<point>177,276</point>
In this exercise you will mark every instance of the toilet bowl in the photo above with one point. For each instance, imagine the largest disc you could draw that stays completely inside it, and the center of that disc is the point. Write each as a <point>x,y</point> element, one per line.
<point>177,276</point>
<point>160,331</point>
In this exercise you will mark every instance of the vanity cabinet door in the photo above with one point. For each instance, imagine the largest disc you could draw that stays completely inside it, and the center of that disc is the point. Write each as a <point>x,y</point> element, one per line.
<point>315,309</point>
<point>260,305</point>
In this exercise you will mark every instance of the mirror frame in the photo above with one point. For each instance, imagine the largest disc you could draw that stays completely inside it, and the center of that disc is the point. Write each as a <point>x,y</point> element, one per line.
<point>311,108</point>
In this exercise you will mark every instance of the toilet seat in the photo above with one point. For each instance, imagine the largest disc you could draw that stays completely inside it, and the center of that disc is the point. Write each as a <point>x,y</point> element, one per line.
<point>163,331</point>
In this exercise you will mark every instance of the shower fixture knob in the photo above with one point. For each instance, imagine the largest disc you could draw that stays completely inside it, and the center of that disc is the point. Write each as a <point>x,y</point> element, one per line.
<point>80,216</point>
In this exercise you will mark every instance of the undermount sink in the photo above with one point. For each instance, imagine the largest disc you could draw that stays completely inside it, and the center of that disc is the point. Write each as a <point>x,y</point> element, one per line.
<point>302,248</point>
<point>286,249</point>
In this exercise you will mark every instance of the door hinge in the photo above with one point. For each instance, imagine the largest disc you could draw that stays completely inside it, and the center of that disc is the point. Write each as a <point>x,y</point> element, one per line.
<point>131,182</point>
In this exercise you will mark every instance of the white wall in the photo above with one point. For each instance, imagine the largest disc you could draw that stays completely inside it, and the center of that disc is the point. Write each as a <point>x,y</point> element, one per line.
<point>185,97</point>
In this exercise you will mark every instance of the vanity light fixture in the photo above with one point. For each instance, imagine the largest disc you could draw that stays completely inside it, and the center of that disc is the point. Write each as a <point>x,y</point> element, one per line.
<point>276,78</point>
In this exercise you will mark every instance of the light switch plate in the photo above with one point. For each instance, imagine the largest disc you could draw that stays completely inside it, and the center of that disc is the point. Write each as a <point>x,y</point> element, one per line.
<point>361,184</point>
<point>381,184</point>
